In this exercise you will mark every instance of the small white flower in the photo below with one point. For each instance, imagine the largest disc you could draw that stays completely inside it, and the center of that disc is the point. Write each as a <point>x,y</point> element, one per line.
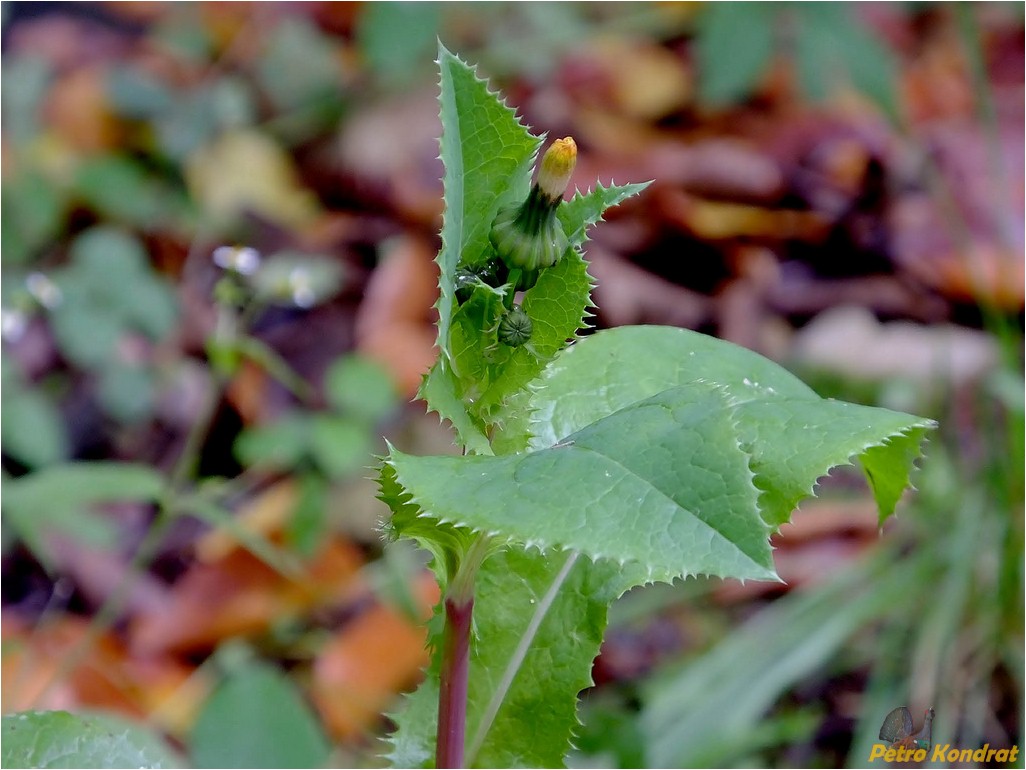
<point>301,287</point>
<point>12,324</point>
<point>241,259</point>
<point>45,291</point>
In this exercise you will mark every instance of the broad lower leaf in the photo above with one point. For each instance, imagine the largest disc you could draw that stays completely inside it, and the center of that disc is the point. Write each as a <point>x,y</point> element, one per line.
<point>662,483</point>
<point>60,739</point>
<point>793,436</point>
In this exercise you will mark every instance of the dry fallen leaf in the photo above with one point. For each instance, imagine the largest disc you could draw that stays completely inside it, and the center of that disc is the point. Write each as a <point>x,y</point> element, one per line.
<point>245,171</point>
<point>374,657</point>
<point>394,322</point>
<point>107,676</point>
<point>240,595</point>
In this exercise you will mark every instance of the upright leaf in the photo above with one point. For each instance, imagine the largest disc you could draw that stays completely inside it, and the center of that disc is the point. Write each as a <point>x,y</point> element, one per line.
<point>487,155</point>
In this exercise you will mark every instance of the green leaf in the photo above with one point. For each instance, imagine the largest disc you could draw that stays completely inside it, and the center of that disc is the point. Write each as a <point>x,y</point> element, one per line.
<point>107,290</point>
<point>137,94</point>
<point>83,483</point>
<point>27,83</point>
<point>360,388</point>
<point>32,212</point>
<point>615,368</point>
<point>793,436</point>
<point>397,37</point>
<point>487,154</point>
<point>31,428</point>
<point>121,189</point>
<point>439,391</point>
<point>127,392</point>
<point>734,47</point>
<point>547,611</point>
<point>340,446</point>
<point>57,498</point>
<point>834,48</point>
<point>586,209</point>
<point>60,739</point>
<point>662,483</point>
<point>282,443</point>
<point>300,66</point>
<point>308,524</point>
<point>257,718</point>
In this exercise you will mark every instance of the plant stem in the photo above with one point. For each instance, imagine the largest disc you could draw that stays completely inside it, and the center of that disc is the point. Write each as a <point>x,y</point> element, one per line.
<point>453,675</point>
<point>452,696</point>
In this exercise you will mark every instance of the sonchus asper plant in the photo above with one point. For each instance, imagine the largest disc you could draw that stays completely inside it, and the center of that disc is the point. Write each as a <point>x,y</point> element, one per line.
<point>590,466</point>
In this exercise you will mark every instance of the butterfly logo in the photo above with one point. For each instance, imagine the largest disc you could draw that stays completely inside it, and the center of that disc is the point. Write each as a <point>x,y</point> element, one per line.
<point>898,730</point>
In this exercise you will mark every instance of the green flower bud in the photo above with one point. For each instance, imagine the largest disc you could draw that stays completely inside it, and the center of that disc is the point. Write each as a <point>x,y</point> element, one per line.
<point>515,327</point>
<point>529,238</point>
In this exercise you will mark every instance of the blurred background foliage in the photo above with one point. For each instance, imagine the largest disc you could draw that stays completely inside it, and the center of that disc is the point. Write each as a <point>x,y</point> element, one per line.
<point>218,222</point>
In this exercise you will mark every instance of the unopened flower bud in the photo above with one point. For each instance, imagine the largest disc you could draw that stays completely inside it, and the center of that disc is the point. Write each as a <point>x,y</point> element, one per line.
<point>515,328</point>
<point>529,237</point>
<point>556,168</point>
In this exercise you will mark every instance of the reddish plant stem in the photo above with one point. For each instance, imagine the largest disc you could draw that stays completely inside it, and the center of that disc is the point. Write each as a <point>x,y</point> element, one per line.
<point>452,695</point>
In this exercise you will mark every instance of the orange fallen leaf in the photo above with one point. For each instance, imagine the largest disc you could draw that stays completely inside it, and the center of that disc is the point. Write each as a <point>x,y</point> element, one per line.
<point>368,662</point>
<point>107,676</point>
<point>240,595</point>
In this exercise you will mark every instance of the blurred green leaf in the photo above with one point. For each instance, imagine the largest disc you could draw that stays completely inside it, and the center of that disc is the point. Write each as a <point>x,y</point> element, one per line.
<point>82,483</point>
<point>31,428</point>
<point>301,65</point>
<point>26,79</point>
<point>89,740</point>
<point>150,305</point>
<point>135,93</point>
<point>397,39</point>
<point>182,33</point>
<point>734,47</point>
<point>87,336</point>
<point>107,290</point>
<point>58,499</point>
<point>257,718</point>
<point>360,389</point>
<point>121,189</point>
<point>833,48</point>
<point>108,251</point>
<point>32,212</point>
<point>201,113</point>
<point>340,446</point>
<point>127,392</point>
<point>281,444</point>
<point>306,527</point>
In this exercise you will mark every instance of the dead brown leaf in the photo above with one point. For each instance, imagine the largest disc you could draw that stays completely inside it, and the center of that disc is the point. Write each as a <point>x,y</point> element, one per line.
<point>360,671</point>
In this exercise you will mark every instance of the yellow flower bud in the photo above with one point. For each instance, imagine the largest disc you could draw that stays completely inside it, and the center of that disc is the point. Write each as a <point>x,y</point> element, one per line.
<point>529,237</point>
<point>556,168</point>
